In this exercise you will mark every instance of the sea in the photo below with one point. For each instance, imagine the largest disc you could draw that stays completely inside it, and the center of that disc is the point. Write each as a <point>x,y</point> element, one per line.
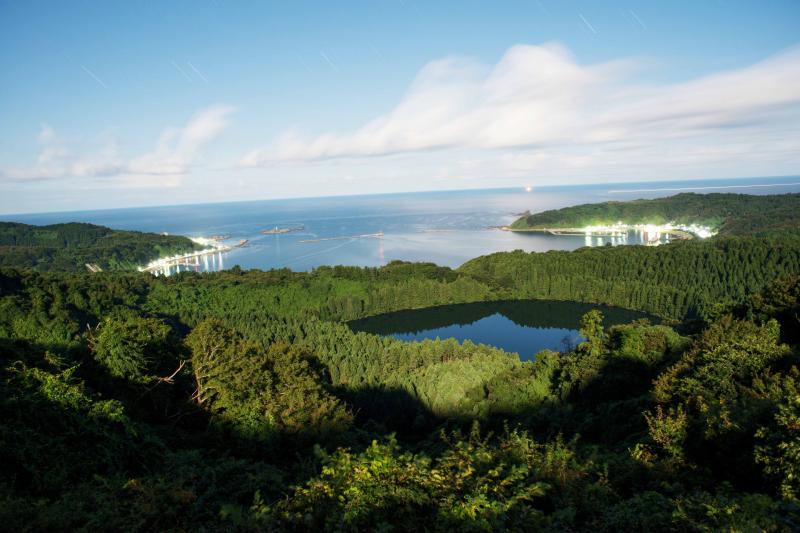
<point>444,227</point>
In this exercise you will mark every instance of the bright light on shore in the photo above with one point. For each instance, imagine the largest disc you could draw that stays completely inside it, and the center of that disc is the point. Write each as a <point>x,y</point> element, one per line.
<point>702,232</point>
<point>202,241</point>
<point>211,246</point>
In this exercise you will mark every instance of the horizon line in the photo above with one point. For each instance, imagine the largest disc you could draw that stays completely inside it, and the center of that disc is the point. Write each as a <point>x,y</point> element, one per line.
<point>521,186</point>
<point>705,188</point>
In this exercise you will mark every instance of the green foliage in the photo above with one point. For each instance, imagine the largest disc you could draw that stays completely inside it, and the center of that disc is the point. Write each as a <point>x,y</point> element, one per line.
<point>54,431</point>
<point>699,511</point>
<point>592,331</point>
<point>779,300</point>
<point>730,352</point>
<point>284,417</point>
<point>176,496</point>
<point>713,401</point>
<point>677,280</point>
<point>69,247</point>
<point>131,347</point>
<point>779,450</point>
<point>477,484</point>
<point>262,393</point>
<point>641,342</point>
<point>668,430</point>
<point>731,214</point>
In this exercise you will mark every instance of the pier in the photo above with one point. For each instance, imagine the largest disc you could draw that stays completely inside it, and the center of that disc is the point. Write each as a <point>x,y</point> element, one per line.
<point>576,231</point>
<point>650,232</point>
<point>192,261</point>
<point>211,259</point>
<point>342,238</point>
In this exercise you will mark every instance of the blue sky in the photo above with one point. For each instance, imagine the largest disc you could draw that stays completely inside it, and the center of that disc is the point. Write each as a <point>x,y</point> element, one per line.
<point>112,104</point>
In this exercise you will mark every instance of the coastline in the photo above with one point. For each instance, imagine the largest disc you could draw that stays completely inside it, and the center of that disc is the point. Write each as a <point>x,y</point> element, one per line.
<point>213,247</point>
<point>609,231</point>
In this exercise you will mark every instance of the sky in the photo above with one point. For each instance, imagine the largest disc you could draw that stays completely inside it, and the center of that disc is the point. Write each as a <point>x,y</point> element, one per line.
<point>135,103</point>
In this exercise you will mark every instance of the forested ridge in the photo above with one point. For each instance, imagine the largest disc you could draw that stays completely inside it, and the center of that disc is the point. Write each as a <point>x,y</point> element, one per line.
<point>242,400</point>
<point>727,213</point>
<point>674,280</point>
<point>69,247</point>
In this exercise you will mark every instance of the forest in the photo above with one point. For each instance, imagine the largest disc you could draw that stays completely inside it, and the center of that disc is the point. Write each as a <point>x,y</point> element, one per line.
<point>242,400</point>
<point>70,246</point>
<point>729,214</point>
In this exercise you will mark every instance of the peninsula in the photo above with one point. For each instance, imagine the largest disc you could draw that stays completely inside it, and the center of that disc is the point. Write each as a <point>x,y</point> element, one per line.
<point>683,215</point>
<point>79,246</point>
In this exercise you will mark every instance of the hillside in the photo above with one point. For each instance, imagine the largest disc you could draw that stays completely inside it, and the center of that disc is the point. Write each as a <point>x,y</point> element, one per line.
<point>675,280</point>
<point>727,214</point>
<point>240,401</point>
<point>243,401</point>
<point>69,247</point>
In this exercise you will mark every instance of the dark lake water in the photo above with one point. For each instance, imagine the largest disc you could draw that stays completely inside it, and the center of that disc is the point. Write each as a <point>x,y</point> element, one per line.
<point>523,326</point>
<point>447,227</point>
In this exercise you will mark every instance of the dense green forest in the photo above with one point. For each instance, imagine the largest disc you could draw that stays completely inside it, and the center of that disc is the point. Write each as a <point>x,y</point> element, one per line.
<point>729,214</point>
<point>676,280</point>
<point>69,247</point>
<point>242,400</point>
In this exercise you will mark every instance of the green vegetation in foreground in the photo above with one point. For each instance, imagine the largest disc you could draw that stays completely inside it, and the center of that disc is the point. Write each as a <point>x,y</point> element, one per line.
<point>241,400</point>
<point>729,214</point>
<point>69,247</point>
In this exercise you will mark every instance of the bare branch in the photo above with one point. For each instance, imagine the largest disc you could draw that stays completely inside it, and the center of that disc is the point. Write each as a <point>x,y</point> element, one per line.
<point>171,378</point>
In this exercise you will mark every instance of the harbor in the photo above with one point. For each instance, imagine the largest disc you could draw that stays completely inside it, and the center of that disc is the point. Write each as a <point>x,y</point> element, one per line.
<point>209,259</point>
<point>648,234</point>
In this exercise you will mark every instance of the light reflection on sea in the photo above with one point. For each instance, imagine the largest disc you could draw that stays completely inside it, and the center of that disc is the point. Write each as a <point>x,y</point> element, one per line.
<point>446,228</point>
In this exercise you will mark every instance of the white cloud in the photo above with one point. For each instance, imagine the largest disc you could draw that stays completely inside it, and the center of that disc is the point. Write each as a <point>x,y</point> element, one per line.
<point>46,134</point>
<point>57,159</point>
<point>539,99</point>
<point>176,150</point>
<point>179,148</point>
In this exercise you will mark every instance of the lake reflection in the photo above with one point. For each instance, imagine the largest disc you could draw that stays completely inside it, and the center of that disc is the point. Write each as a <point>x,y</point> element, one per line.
<point>523,326</point>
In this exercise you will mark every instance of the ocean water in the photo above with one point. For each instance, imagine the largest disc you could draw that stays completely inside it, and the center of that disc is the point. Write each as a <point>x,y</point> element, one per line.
<point>446,228</point>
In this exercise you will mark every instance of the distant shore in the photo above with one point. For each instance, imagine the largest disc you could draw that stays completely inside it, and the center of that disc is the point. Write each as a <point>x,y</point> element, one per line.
<point>614,231</point>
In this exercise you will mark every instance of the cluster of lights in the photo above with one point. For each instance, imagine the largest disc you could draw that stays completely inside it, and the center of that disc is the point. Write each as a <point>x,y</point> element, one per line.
<point>702,232</point>
<point>202,241</point>
<point>164,262</point>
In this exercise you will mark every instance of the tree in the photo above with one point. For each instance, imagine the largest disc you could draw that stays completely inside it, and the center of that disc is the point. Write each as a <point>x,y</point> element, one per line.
<point>262,393</point>
<point>779,451</point>
<point>208,341</point>
<point>131,347</point>
<point>592,331</point>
